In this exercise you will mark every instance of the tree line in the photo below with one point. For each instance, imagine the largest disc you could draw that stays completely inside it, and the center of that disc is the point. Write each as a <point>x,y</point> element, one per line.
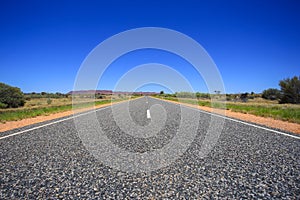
<point>289,93</point>
<point>13,97</point>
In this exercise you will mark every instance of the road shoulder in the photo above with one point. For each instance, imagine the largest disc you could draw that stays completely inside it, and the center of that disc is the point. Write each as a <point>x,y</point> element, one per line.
<point>265,121</point>
<point>10,125</point>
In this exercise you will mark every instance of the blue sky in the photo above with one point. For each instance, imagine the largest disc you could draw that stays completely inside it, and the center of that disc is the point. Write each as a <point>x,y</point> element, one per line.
<point>253,43</point>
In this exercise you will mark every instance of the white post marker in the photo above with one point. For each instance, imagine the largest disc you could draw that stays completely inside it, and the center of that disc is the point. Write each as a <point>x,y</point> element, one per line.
<point>148,114</point>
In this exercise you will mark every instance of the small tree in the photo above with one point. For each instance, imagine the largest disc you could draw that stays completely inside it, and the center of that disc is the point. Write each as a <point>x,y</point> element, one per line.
<point>3,105</point>
<point>290,89</point>
<point>11,97</point>
<point>244,97</point>
<point>49,101</point>
<point>271,94</point>
<point>162,92</point>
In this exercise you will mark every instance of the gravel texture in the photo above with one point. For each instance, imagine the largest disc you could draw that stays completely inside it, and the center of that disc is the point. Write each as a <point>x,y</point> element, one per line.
<point>246,163</point>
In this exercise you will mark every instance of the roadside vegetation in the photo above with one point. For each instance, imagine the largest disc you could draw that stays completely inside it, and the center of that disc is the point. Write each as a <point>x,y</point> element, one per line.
<point>45,106</point>
<point>11,97</point>
<point>283,104</point>
<point>257,106</point>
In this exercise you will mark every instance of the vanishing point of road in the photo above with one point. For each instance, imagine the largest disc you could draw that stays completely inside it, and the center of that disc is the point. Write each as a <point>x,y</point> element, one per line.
<point>49,160</point>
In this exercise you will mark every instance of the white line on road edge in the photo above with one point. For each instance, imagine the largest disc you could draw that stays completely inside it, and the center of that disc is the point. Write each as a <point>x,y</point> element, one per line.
<point>148,114</point>
<point>254,125</point>
<point>65,119</point>
<point>78,115</point>
<point>235,120</point>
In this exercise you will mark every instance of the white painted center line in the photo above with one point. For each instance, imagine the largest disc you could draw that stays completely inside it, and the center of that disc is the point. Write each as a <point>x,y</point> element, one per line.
<point>148,114</point>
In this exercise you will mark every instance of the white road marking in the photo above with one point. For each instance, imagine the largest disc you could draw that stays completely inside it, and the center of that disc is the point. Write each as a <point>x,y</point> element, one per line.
<point>242,122</point>
<point>148,114</point>
<point>65,119</point>
<point>78,115</point>
<point>34,128</point>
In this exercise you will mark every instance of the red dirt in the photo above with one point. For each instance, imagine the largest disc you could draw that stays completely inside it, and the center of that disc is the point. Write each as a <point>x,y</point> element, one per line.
<point>273,123</point>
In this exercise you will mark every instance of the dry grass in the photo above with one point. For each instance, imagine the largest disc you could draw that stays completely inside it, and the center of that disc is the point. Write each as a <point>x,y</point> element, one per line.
<point>39,106</point>
<point>257,106</point>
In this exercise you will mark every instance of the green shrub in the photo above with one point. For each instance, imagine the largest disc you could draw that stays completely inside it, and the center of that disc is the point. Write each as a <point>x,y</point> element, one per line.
<point>11,96</point>
<point>3,105</point>
<point>290,89</point>
<point>271,94</point>
<point>49,101</point>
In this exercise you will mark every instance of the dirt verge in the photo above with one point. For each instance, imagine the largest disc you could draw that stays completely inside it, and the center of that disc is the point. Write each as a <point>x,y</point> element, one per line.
<point>29,121</point>
<point>269,122</point>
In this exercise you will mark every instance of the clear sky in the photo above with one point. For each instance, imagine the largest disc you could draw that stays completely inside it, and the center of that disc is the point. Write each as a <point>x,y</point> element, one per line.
<point>254,43</point>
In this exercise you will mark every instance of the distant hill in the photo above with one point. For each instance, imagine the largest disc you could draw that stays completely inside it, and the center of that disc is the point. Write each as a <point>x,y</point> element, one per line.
<point>109,92</point>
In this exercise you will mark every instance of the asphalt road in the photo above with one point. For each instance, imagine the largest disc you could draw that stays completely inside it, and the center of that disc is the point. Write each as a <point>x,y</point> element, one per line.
<point>160,155</point>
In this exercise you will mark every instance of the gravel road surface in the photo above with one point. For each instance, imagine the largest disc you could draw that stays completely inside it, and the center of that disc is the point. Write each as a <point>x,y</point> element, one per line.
<point>67,159</point>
